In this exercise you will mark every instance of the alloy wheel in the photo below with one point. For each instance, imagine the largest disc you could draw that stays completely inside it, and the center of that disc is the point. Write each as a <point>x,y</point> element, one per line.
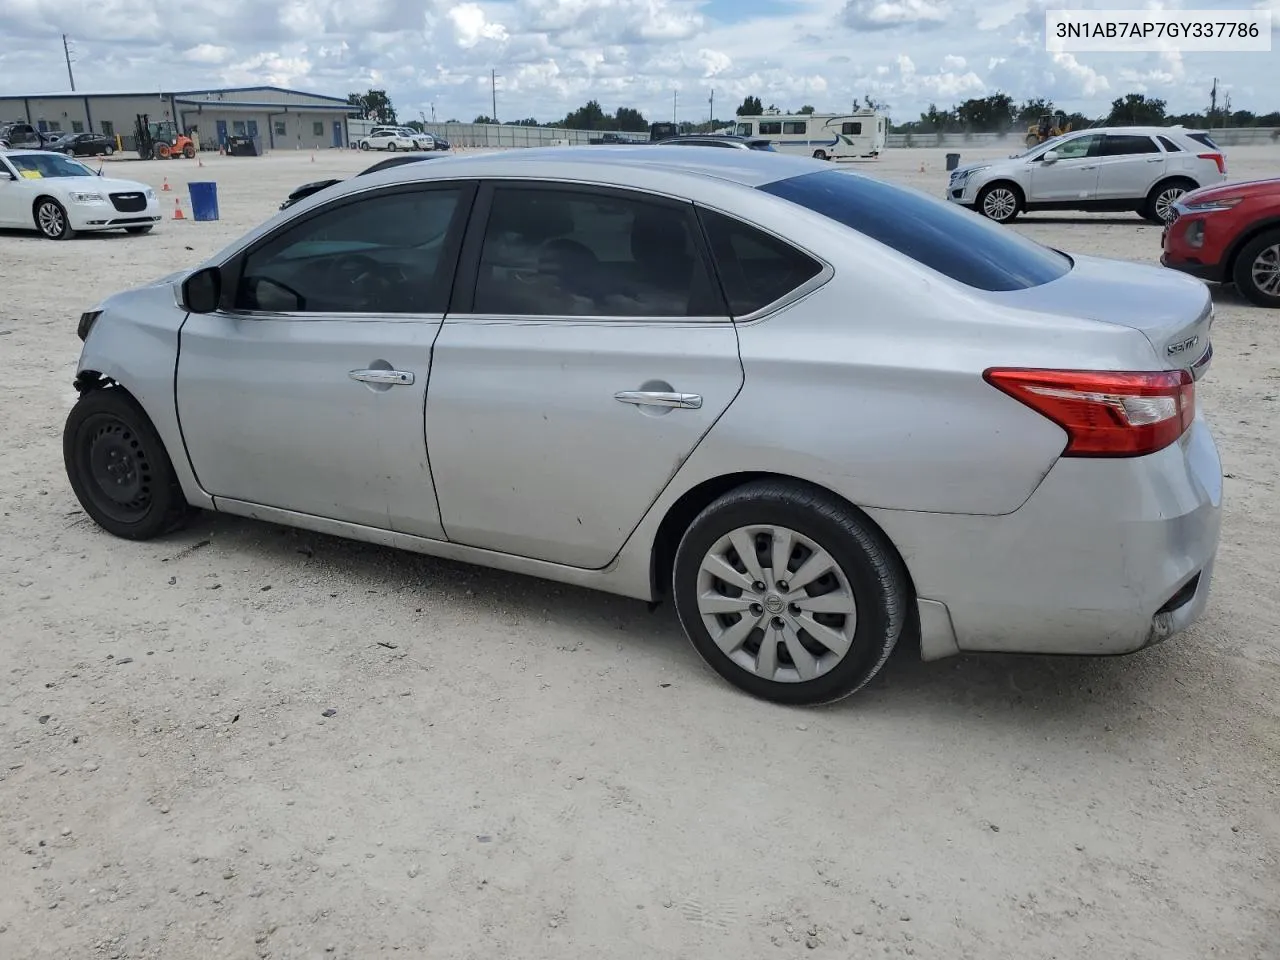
<point>51,220</point>
<point>776,603</point>
<point>1265,270</point>
<point>1000,204</point>
<point>1165,201</point>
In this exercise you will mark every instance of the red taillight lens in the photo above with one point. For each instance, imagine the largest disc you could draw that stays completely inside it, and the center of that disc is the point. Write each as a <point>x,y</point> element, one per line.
<point>1217,158</point>
<point>1106,414</point>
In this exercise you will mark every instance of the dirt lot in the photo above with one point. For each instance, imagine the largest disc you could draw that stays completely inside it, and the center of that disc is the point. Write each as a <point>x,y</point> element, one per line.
<point>537,771</point>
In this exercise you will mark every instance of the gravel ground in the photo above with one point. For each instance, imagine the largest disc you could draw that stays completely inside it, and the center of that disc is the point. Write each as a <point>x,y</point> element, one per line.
<point>246,741</point>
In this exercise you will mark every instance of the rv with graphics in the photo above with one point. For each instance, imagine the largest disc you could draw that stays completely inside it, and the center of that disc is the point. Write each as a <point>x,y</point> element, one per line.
<point>824,136</point>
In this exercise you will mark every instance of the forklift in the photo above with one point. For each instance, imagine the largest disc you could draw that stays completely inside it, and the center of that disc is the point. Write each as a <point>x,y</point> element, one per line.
<point>160,140</point>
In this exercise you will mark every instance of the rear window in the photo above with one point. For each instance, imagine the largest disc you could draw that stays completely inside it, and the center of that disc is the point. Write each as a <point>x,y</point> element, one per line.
<point>1205,139</point>
<point>952,241</point>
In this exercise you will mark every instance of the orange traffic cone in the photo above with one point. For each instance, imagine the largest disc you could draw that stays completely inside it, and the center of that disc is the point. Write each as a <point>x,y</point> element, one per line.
<point>177,209</point>
<point>199,162</point>
<point>165,188</point>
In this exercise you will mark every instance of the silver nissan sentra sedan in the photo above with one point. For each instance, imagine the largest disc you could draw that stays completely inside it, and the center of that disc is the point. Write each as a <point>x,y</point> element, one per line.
<point>819,412</point>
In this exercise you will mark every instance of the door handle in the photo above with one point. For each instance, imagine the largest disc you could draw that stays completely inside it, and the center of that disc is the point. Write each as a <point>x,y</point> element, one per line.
<point>393,377</point>
<point>1092,166</point>
<point>1156,160</point>
<point>660,398</point>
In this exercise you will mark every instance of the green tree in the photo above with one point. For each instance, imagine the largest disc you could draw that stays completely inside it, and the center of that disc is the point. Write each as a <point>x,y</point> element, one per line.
<point>373,105</point>
<point>807,108</point>
<point>751,107</point>
<point>484,118</point>
<point>1135,110</point>
<point>589,116</point>
<point>993,114</point>
<point>631,121</point>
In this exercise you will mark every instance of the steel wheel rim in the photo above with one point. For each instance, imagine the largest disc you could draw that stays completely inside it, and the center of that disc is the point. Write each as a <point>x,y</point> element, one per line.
<point>1000,204</point>
<point>51,219</point>
<point>1265,270</point>
<point>116,467</point>
<point>776,603</point>
<point>1165,201</point>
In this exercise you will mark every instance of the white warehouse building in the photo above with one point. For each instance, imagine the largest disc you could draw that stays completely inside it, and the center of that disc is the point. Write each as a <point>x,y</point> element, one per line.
<point>275,117</point>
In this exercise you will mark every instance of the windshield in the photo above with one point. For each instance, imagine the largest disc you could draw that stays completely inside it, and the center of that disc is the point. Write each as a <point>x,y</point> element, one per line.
<point>1044,145</point>
<point>44,166</point>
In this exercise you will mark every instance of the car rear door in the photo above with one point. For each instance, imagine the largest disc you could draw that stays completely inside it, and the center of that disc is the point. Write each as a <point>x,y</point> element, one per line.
<point>587,353</point>
<point>1073,176</point>
<point>305,391</point>
<point>1129,165</point>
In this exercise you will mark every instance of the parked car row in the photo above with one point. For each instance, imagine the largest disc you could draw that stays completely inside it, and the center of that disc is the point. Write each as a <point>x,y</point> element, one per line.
<point>23,136</point>
<point>399,138</point>
<point>1217,231</point>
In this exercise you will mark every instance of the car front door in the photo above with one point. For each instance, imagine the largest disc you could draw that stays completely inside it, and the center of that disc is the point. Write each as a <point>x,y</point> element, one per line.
<point>1128,166</point>
<point>587,353</point>
<point>15,199</point>
<point>305,390</point>
<point>1073,176</point>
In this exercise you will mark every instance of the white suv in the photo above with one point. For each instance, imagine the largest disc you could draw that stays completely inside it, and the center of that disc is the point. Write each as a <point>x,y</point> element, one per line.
<point>387,138</point>
<point>1143,169</point>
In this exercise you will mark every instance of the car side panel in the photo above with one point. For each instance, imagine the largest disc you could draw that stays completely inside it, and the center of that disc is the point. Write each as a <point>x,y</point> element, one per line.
<point>140,354</point>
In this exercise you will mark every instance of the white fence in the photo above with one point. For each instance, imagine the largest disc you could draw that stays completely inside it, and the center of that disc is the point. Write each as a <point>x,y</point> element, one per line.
<point>1223,136</point>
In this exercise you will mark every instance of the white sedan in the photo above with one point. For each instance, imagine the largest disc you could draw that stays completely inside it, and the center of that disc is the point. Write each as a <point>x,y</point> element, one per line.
<point>59,197</point>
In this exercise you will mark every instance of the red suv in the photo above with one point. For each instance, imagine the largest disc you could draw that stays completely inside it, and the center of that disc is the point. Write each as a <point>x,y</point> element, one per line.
<point>1229,234</point>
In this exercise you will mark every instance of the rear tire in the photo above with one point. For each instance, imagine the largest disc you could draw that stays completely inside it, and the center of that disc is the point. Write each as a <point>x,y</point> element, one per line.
<point>1159,204</point>
<point>108,151</point>
<point>813,643</point>
<point>1256,270</point>
<point>364,144</point>
<point>189,152</point>
<point>392,146</point>
<point>999,202</point>
<point>819,154</point>
<point>118,467</point>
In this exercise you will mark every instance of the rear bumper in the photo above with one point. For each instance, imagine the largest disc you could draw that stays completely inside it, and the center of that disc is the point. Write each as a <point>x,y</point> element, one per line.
<point>1106,557</point>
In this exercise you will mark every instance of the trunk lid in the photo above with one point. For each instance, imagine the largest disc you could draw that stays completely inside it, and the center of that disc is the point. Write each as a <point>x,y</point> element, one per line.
<point>1174,312</point>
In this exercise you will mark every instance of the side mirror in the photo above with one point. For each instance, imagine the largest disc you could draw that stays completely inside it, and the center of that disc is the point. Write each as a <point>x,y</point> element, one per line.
<point>1050,156</point>
<point>202,291</point>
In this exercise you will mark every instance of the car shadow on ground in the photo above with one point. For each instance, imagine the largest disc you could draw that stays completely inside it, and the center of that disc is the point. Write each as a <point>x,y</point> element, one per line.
<point>35,237</point>
<point>1053,690</point>
<point>1120,220</point>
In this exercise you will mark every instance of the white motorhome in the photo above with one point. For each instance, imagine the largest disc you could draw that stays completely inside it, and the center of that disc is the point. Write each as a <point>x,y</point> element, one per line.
<point>825,136</point>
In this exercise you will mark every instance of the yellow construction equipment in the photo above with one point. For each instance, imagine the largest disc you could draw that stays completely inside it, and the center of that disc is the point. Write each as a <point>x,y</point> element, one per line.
<point>1051,125</point>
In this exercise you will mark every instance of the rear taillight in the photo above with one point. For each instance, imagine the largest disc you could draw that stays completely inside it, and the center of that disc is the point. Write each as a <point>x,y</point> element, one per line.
<point>1106,414</point>
<point>1217,158</point>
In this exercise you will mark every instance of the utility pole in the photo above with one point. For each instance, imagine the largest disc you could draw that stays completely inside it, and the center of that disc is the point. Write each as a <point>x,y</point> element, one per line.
<point>674,99</point>
<point>493,87</point>
<point>66,52</point>
<point>711,119</point>
<point>1213,102</point>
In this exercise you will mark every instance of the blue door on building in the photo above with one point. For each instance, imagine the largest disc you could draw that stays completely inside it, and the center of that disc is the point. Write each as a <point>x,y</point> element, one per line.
<point>337,133</point>
<point>222,133</point>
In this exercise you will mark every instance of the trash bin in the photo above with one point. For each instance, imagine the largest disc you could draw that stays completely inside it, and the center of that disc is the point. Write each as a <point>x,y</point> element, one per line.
<point>204,200</point>
<point>953,160</point>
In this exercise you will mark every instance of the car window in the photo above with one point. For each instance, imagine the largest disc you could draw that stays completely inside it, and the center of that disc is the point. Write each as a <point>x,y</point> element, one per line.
<point>1169,145</point>
<point>1205,139</point>
<point>755,269</point>
<point>769,129</point>
<point>795,126</point>
<point>562,253</point>
<point>1078,147</point>
<point>1125,145</point>
<point>851,129</point>
<point>954,242</point>
<point>43,166</point>
<point>377,254</point>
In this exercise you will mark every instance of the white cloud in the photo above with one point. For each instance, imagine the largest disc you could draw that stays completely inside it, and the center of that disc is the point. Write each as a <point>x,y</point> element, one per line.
<point>471,25</point>
<point>553,55</point>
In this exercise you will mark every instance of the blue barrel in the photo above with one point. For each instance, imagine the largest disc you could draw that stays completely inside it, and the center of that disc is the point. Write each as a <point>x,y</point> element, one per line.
<point>204,200</point>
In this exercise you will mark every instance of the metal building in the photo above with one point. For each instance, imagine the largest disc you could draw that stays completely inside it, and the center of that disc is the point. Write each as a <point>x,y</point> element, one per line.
<point>275,117</point>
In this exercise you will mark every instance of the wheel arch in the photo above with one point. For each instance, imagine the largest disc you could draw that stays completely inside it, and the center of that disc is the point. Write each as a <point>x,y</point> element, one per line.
<point>41,198</point>
<point>1253,231</point>
<point>1003,181</point>
<point>1168,180</point>
<point>697,498</point>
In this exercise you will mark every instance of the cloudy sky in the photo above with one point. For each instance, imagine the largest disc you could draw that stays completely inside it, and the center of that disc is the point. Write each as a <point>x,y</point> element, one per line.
<point>553,55</point>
